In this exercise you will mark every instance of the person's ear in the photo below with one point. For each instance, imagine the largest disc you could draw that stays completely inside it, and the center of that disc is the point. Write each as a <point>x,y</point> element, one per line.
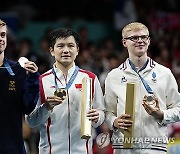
<point>124,42</point>
<point>149,41</point>
<point>51,51</point>
<point>77,51</point>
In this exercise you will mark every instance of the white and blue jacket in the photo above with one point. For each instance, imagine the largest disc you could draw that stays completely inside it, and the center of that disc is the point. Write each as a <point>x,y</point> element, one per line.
<point>148,132</point>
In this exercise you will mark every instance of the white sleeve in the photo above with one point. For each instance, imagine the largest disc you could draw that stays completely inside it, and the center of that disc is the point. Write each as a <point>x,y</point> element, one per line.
<point>172,114</point>
<point>98,103</point>
<point>38,116</point>
<point>110,104</point>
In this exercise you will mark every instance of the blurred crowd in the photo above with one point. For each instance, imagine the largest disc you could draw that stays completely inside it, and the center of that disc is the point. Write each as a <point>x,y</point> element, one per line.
<point>162,18</point>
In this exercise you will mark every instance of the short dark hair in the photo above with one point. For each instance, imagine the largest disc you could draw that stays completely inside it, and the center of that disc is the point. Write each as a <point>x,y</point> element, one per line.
<point>62,33</point>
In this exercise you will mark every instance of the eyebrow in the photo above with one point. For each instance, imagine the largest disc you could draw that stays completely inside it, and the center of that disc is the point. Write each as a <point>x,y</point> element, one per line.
<point>69,43</point>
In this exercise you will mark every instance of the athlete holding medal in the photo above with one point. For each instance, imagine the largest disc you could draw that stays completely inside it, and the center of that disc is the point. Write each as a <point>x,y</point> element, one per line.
<point>58,113</point>
<point>19,92</point>
<point>157,100</point>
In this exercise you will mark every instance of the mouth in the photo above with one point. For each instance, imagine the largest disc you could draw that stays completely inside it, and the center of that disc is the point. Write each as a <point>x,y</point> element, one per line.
<point>65,57</point>
<point>140,46</point>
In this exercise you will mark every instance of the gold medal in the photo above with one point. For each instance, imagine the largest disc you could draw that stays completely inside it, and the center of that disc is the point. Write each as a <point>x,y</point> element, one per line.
<point>60,93</point>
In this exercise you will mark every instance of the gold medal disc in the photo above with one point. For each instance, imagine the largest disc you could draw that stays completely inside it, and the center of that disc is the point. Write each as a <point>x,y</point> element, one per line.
<point>60,93</point>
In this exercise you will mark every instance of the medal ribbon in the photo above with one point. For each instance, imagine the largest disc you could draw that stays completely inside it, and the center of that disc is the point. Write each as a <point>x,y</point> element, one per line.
<point>146,85</point>
<point>8,67</point>
<point>71,80</point>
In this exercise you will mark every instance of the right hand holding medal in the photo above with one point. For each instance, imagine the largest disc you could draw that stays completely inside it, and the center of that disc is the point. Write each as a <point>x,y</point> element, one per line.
<point>28,65</point>
<point>52,101</point>
<point>152,107</point>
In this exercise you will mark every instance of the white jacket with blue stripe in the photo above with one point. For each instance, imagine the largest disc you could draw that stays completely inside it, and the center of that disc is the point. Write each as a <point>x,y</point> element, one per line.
<point>148,132</point>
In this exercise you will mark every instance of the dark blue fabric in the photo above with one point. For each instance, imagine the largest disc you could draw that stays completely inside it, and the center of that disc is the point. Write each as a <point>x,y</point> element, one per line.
<point>18,96</point>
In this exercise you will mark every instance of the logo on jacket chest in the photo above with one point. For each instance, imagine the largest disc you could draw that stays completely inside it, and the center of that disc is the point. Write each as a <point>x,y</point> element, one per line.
<point>154,77</point>
<point>12,86</point>
<point>78,86</point>
<point>123,79</point>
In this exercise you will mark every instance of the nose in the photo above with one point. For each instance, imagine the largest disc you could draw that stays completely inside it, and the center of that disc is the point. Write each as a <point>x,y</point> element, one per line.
<point>66,49</point>
<point>140,39</point>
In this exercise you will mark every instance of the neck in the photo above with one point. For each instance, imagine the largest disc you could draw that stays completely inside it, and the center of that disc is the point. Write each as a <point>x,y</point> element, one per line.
<point>63,68</point>
<point>1,58</point>
<point>139,61</point>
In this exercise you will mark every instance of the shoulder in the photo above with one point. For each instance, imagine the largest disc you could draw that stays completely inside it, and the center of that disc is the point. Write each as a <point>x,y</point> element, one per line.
<point>11,62</point>
<point>163,72</point>
<point>161,68</point>
<point>16,67</point>
<point>114,71</point>
<point>90,74</point>
<point>46,74</point>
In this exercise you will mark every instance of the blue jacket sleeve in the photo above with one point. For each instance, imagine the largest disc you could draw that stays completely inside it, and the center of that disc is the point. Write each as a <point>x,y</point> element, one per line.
<point>30,92</point>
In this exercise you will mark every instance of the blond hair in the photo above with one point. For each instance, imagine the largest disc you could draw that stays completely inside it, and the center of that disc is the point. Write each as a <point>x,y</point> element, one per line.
<point>134,26</point>
<point>2,23</point>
